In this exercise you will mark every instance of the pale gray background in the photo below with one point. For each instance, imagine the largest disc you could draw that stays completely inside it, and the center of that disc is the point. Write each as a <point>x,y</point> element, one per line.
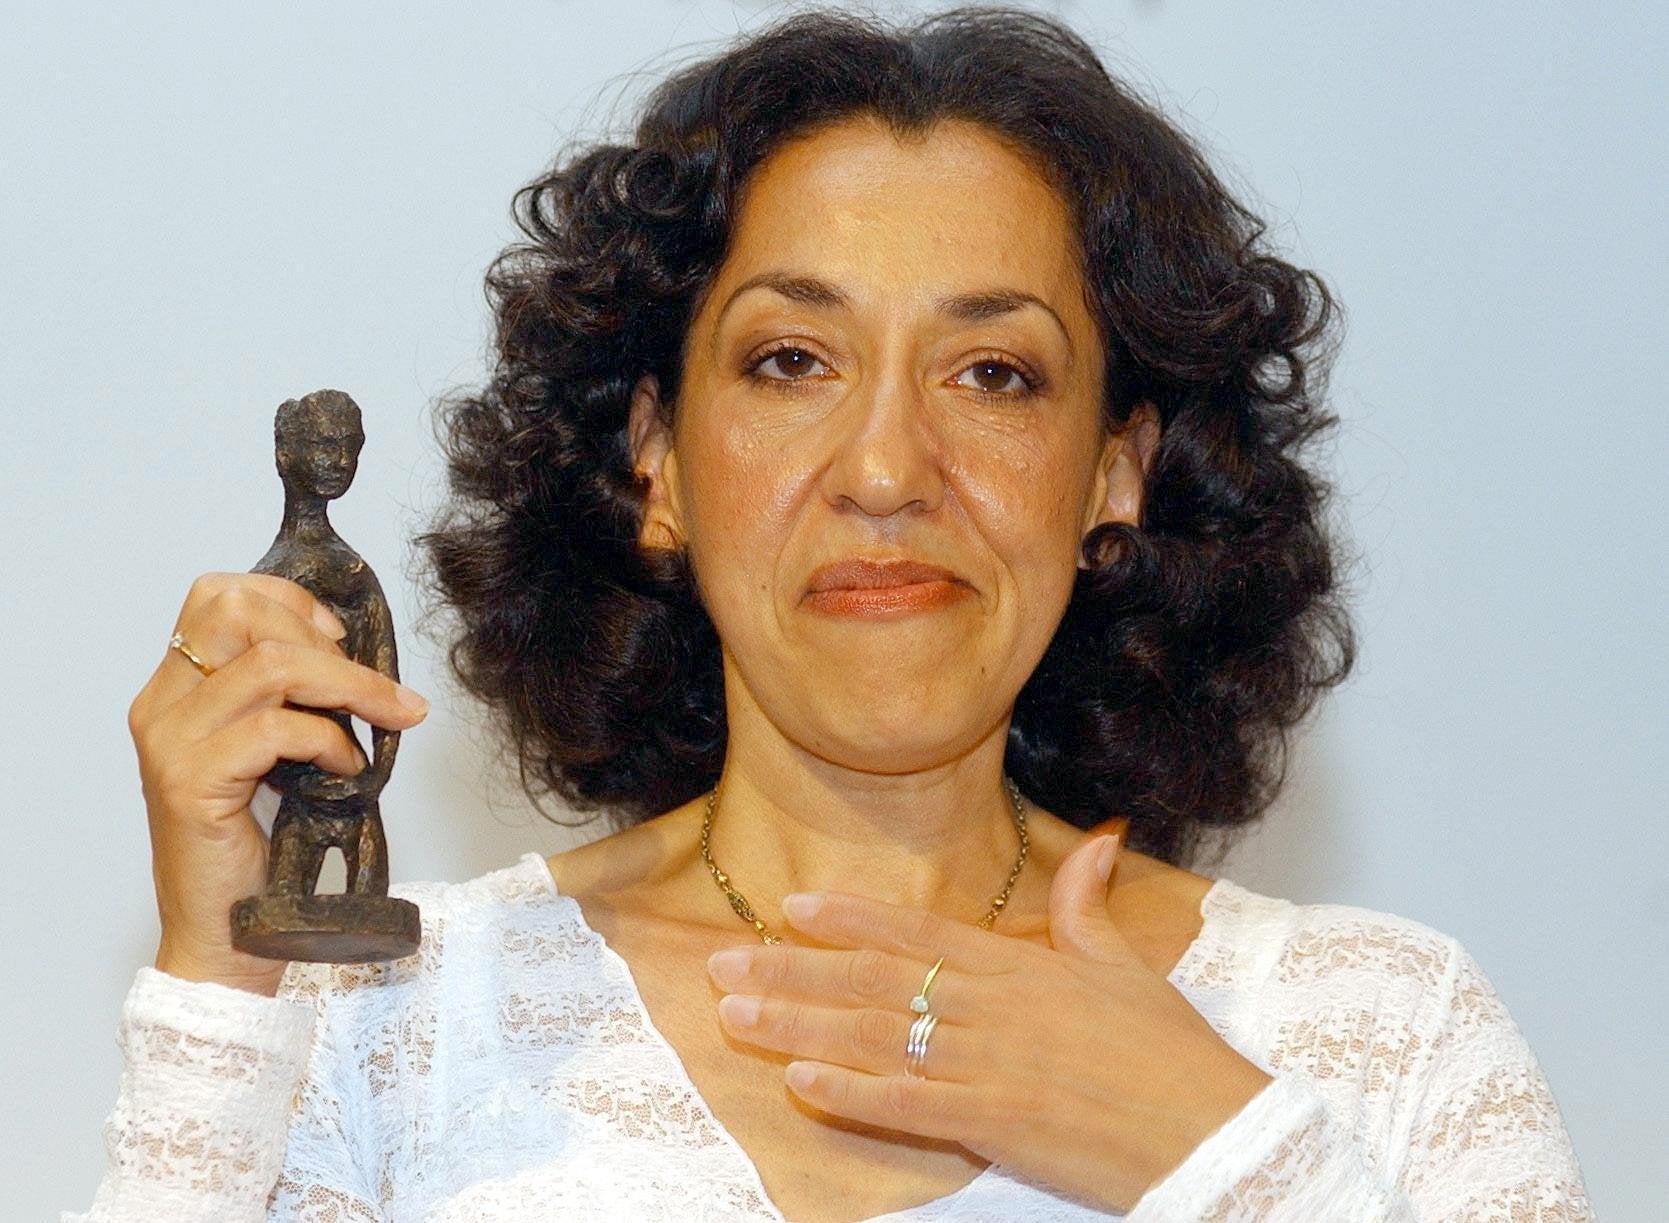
<point>207,210</point>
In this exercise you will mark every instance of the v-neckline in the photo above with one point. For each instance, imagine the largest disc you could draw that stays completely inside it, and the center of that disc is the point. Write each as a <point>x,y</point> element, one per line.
<point>536,862</point>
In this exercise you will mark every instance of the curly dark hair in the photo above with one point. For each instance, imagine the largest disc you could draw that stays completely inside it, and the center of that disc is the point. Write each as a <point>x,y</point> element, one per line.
<point>1187,652</point>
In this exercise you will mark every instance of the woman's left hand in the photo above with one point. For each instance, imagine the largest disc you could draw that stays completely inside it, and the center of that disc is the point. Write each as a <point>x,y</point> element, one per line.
<point>1075,1065</point>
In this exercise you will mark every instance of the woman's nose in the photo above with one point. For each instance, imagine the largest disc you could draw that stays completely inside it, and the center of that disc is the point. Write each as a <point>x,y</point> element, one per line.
<point>886,456</point>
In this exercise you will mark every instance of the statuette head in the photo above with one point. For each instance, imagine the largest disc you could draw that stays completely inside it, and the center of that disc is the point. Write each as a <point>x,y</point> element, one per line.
<point>318,438</point>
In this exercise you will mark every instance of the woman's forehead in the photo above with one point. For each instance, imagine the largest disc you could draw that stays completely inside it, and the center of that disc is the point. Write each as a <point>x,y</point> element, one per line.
<point>952,211</point>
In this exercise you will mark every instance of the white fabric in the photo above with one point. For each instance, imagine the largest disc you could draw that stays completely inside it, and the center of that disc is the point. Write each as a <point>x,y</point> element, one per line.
<point>508,1070</point>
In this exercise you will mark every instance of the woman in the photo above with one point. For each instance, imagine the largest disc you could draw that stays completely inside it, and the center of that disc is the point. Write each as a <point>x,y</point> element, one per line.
<point>892,470</point>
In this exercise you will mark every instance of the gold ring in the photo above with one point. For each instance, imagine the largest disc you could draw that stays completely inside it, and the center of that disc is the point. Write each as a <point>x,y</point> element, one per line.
<point>918,1004</point>
<point>177,642</point>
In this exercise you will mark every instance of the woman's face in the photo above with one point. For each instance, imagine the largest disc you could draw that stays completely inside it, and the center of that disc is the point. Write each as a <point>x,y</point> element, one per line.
<point>895,361</point>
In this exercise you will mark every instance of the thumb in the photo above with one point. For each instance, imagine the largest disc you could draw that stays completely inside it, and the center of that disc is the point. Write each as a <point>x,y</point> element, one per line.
<point>1078,919</point>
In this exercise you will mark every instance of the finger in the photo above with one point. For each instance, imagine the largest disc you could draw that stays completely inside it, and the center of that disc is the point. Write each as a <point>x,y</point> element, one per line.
<point>844,920</point>
<point>237,617</point>
<point>837,977</point>
<point>864,1038</point>
<point>929,1107</point>
<point>293,596</point>
<point>248,749</point>
<point>1118,826</point>
<point>1079,920</point>
<point>272,673</point>
<point>221,625</point>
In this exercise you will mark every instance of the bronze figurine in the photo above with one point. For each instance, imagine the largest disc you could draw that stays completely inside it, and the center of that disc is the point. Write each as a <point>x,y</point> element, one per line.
<point>318,438</point>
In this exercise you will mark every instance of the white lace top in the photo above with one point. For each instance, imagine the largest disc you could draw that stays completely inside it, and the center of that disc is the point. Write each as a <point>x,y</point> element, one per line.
<point>508,1070</point>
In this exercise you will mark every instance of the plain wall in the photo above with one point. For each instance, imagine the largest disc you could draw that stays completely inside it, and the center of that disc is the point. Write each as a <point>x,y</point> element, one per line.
<point>208,209</point>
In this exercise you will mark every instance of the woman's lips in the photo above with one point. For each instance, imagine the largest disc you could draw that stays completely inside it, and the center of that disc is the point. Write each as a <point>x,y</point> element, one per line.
<point>882,586</point>
<point>886,600</point>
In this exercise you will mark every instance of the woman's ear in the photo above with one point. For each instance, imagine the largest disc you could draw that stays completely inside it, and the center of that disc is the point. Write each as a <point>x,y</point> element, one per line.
<point>654,459</point>
<point>1121,475</point>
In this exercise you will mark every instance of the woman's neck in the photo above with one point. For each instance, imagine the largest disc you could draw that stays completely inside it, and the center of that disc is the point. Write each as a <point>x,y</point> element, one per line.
<point>942,839</point>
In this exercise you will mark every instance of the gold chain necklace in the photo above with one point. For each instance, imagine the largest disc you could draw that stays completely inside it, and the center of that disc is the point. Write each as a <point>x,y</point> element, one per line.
<point>745,911</point>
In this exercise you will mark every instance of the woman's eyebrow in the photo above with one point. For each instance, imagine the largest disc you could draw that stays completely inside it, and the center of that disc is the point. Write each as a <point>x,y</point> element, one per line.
<point>969,307</point>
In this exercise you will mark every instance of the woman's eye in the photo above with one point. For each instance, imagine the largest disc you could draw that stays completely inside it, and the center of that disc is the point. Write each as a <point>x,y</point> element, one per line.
<point>792,364</point>
<point>993,378</point>
<point>996,378</point>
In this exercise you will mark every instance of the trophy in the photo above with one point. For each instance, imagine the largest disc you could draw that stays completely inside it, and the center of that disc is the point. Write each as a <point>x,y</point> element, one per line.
<point>318,439</point>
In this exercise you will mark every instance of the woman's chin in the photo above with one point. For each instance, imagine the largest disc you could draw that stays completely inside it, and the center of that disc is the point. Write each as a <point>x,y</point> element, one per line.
<point>896,735</point>
<point>888,759</point>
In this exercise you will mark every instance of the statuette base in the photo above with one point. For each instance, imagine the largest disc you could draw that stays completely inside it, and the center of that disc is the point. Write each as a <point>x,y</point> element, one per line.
<point>341,928</point>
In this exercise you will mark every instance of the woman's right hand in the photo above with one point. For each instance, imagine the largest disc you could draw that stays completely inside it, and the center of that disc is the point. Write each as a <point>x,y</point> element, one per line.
<point>204,742</point>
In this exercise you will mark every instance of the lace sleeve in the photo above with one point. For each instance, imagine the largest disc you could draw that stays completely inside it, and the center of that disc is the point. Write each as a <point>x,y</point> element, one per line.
<point>207,1080</point>
<point>1474,1133</point>
<point>207,1098</point>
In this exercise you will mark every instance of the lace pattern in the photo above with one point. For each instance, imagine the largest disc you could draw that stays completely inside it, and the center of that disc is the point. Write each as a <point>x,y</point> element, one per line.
<point>508,1070</point>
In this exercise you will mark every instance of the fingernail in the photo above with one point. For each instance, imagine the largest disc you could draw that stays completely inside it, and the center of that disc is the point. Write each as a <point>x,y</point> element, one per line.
<point>802,906</point>
<point>1104,857</point>
<point>326,622</point>
<point>410,699</point>
<point>363,763</point>
<point>739,1008</point>
<point>729,966</point>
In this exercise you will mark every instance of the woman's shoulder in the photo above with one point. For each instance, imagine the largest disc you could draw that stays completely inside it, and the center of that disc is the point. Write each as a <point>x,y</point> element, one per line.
<point>1322,936</point>
<point>1307,957</point>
